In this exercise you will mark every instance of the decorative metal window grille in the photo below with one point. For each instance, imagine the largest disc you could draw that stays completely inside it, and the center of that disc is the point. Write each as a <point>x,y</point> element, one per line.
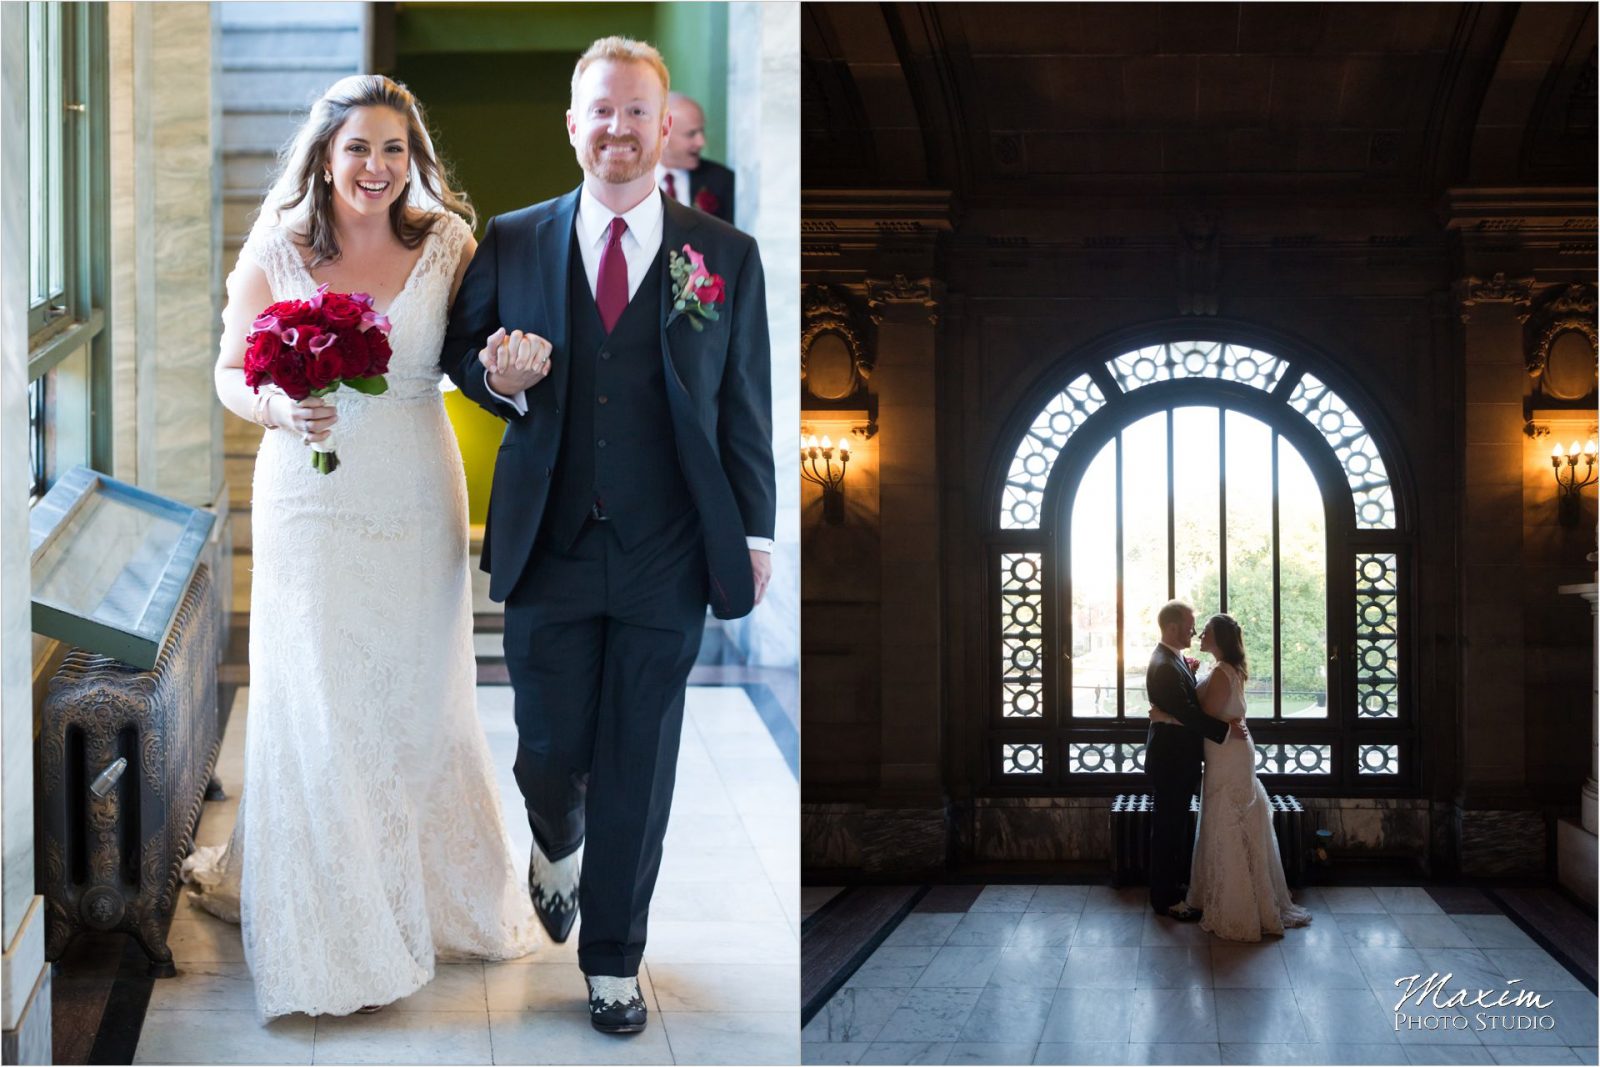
<point>1022,633</point>
<point>1022,759</point>
<point>1197,359</point>
<point>1363,466</point>
<point>1378,759</point>
<point>1022,506</point>
<point>1069,699</point>
<point>1377,659</point>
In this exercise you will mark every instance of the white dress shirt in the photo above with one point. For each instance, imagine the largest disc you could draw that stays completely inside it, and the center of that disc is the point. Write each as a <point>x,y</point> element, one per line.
<point>641,246</point>
<point>680,183</point>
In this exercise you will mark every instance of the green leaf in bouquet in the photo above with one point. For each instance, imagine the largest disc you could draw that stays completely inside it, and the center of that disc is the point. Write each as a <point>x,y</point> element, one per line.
<point>377,385</point>
<point>710,311</point>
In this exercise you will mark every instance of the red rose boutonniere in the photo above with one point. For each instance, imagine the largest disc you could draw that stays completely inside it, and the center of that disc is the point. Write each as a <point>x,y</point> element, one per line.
<point>696,292</point>
<point>707,201</point>
<point>1192,663</point>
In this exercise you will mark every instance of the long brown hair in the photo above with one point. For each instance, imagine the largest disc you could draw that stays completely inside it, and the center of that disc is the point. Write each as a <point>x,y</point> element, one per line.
<point>1229,637</point>
<point>307,155</point>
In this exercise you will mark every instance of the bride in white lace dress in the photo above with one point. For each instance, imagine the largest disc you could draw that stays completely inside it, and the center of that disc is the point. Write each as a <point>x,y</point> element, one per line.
<point>1236,876</point>
<point>369,840</point>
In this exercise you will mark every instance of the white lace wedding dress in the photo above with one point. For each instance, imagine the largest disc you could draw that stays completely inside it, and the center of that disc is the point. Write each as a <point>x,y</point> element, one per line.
<point>369,839</point>
<point>1236,877</point>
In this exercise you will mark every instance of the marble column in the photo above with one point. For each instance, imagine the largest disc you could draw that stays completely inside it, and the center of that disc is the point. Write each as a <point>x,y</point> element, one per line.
<point>25,1000</point>
<point>763,101</point>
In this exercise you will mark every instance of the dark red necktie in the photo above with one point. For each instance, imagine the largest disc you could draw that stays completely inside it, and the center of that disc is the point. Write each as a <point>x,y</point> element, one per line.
<point>611,291</point>
<point>672,186</point>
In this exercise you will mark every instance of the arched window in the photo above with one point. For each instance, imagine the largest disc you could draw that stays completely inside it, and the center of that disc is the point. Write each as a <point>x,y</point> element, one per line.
<point>1241,482</point>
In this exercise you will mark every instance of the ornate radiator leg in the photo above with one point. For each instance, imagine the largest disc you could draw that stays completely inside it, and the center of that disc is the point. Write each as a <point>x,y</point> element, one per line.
<point>153,940</point>
<point>214,790</point>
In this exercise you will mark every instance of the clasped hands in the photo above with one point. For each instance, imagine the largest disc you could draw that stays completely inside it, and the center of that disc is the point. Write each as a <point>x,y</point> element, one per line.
<point>515,361</point>
<point>1236,727</point>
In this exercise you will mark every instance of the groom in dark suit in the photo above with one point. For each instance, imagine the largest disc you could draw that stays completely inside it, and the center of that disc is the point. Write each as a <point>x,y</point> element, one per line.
<point>1173,755</point>
<point>635,485</point>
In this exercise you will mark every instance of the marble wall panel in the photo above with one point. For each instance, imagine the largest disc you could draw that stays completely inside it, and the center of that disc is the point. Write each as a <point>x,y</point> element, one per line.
<point>1502,843</point>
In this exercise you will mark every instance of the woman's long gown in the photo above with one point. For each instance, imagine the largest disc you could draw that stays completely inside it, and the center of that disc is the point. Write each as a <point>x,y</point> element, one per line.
<point>1236,877</point>
<point>369,838</point>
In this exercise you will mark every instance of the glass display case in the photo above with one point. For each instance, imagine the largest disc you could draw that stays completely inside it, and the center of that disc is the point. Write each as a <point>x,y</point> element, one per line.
<point>111,563</point>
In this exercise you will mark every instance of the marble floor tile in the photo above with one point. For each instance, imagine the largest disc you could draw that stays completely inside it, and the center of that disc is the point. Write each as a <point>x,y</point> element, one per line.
<point>205,987</point>
<point>1572,1014</point>
<point>1353,1016</point>
<point>754,987</point>
<point>1466,968</point>
<point>1536,967</point>
<point>1248,967</point>
<point>1533,1054</point>
<point>1174,967</point>
<point>404,1037</point>
<point>1063,898</point>
<point>1118,898</point>
<point>1310,1053</point>
<point>1160,930</point>
<point>1110,929</point>
<point>1586,1053</point>
<point>833,1052</point>
<point>1015,1014</point>
<point>721,942</point>
<point>1263,1016</point>
<point>1101,967</point>
<point>1174,1052</point>
<point>855,1014</point>
<point>1406,900</point>
<point>930,1015</point>
<point>1111,1052</point>
<point>1042,928</point>
<point>552,1037</point>
<point>1382,965</point>
<point>1183,1015</point>
<point>745,1037</point>
<point>1432,931</point>
<point>225,1037</point>
<point>1351,899</point>
<point>1089,1015</point>
<point>1428,1054</point>
<point>1004,898</point>
<point>907,1052</point>
<point>455,987</point>
<point>752,901</point>
<point>204,940</point>
<point>893,966</point>
<point>1323,967</point>
<point>923,928</point>
<point>990,1052</point>
<point>961,966</point>
<point>985,927</point>
<point>1493,931</point>
<point>1029,966</point>
<point>1375,931</point>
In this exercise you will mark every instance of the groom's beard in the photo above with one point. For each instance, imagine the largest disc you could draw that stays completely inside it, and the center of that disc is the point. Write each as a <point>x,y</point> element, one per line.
<point>612,169</point>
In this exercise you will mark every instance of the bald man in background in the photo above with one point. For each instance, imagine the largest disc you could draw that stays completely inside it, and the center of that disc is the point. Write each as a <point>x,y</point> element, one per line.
<point>682,174</point>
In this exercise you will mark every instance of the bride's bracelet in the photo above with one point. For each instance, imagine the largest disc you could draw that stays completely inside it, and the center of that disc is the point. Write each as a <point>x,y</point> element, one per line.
<point>262,412</point>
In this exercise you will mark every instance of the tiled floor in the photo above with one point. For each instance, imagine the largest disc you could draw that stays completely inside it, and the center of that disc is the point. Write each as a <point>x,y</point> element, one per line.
<point>1088,974</point>
<point>722,970</point>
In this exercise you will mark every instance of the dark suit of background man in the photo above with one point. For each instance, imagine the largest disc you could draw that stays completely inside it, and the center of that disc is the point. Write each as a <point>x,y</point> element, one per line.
<point>683,173</point>
<point>1173,756</point>
<point>633,486</point>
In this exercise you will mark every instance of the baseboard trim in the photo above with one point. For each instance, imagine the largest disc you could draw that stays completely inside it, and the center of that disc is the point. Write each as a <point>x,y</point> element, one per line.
<point>22,964</point>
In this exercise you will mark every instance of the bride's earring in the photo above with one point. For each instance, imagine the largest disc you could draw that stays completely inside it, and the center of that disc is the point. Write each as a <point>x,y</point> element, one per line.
<point>327,177</point>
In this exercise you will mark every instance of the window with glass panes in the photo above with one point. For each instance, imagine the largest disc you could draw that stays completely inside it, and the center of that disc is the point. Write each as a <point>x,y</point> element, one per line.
<point>1234,479</point>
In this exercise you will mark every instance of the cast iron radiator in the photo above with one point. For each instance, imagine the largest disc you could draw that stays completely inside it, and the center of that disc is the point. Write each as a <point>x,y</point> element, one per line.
<point>1130,836</point>
<point>123,762</point>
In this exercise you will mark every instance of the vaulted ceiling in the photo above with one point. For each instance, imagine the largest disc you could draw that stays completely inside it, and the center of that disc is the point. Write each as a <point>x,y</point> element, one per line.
<point>996,101</point>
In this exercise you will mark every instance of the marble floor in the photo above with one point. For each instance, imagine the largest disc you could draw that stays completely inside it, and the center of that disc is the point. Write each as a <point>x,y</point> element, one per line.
<point>721,975</point>
<point>1088,974</point>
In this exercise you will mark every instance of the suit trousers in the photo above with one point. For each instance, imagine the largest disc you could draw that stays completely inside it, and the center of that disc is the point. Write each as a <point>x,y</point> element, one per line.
<point>599,644</point>
<point>1172,765</point>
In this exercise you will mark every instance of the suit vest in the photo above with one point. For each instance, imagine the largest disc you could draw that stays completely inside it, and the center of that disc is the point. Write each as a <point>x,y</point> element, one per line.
<point>618,448</point>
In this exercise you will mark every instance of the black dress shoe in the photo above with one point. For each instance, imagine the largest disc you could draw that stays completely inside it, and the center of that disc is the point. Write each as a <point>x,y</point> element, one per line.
<point>557,911</point>
<point>1183,913</point>
<point>616,1005</point>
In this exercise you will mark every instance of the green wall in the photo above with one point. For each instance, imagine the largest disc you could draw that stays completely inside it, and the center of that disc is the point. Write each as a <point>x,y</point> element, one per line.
<point>495,80</point>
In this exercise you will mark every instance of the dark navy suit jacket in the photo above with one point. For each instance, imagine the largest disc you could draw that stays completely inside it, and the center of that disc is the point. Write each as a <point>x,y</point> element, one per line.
<point>719,386</point>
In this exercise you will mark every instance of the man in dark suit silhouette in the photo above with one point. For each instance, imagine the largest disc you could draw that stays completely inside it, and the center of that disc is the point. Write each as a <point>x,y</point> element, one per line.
<point>635,484</point>
<point>683,173</point>
<point>1174,753</point>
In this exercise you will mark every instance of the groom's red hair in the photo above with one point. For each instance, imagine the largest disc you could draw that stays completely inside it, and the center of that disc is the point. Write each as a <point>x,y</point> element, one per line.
<point>622,50</point>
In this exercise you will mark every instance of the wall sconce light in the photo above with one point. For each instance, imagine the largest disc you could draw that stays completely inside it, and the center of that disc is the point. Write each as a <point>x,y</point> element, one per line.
<point>1569,485</point>
<point>817,465</point>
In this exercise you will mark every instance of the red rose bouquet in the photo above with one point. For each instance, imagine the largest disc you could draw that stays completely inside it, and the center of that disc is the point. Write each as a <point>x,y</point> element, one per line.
<point>696,292</point>
<point>311,347</point>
